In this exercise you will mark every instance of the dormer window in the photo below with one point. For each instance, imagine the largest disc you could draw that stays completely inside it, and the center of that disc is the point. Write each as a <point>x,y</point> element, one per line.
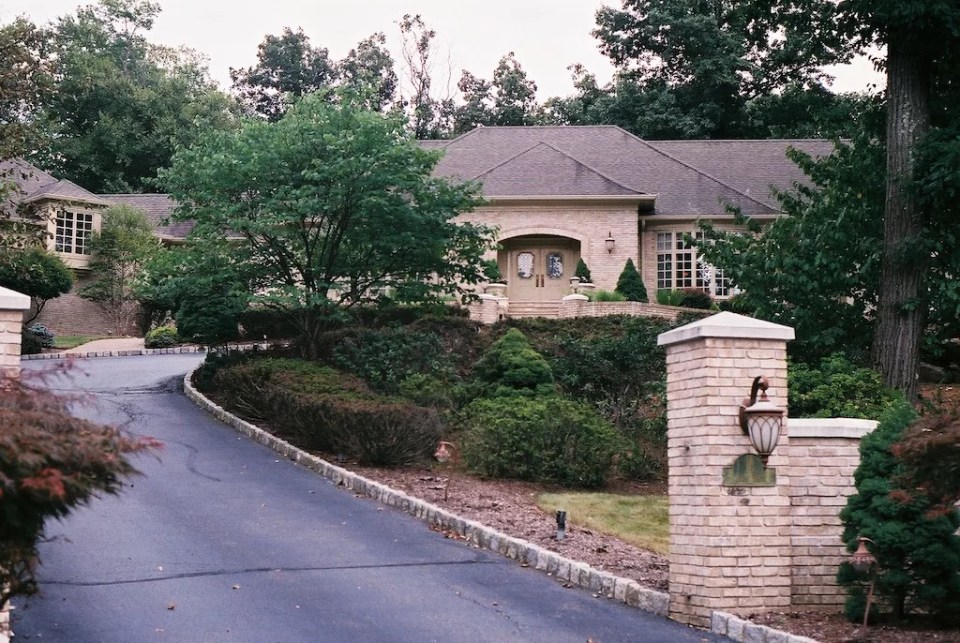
<point>73,232</point>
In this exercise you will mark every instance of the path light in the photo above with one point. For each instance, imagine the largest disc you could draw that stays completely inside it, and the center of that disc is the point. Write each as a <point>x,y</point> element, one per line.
<point>561,524</point>
<point>447,451</point>
<point>610,242</point>
<point>864,562</point>
<point>761,420</point>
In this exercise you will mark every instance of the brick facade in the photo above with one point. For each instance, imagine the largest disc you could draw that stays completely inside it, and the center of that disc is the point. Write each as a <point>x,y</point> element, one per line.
<point>749,549</point>
<point>824,453</point>
<point>71,314</point>
<point>589,224</point>
<point>12,307</point>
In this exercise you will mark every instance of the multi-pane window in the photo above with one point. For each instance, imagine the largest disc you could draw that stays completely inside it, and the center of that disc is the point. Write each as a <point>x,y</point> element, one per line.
<point>73,232</point>
<point>679,266</point>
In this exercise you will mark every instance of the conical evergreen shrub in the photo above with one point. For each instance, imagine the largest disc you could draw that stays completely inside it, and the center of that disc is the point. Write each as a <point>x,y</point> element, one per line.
<point>582,272</point>
<point>630,285</point>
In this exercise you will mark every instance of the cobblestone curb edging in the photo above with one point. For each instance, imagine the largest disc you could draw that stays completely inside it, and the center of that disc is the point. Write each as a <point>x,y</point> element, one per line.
<point>121,353</point>
<point>743,631</point>
<point>478,535</point>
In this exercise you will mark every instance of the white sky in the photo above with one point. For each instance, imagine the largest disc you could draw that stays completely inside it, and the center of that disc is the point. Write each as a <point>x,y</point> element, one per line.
<point>546,35</point>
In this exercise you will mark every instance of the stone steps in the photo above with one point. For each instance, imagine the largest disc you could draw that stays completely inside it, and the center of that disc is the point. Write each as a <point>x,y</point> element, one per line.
<point>526,309</point>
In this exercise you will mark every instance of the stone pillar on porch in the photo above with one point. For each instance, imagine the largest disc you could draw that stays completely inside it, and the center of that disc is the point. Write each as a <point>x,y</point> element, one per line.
<point>12,307</point>
<point>730,543</point>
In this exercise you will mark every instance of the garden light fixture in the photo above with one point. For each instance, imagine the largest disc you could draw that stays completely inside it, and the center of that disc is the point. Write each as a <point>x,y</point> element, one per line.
<point>610,242</point>
<point>863,562</point>
<point>761,420</point>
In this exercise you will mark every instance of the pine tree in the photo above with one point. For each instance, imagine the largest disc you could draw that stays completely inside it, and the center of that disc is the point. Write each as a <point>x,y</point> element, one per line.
<point>915,546</point>
<point>630,285</point>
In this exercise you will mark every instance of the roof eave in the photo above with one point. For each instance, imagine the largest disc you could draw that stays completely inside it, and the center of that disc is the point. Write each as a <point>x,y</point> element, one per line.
<point>611,199</point>
<point>52,196</point>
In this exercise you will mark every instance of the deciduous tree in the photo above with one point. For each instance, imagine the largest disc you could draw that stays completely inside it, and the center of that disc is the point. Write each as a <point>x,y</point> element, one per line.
<point>329,206</point>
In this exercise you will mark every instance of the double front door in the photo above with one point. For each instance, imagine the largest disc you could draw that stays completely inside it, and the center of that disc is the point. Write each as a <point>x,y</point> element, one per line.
<point>540,273</point>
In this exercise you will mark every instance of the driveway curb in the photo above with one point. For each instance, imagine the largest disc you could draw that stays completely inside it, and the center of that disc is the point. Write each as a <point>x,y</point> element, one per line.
<point>482,537</point>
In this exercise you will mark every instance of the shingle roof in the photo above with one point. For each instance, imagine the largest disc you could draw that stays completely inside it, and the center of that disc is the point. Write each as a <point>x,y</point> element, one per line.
<point>34,184</point>
<point>158,208</point>
<point>688,177</point>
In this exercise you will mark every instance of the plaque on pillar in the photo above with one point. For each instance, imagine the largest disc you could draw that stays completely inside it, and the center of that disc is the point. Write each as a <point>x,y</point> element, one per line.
<point>749,471</point>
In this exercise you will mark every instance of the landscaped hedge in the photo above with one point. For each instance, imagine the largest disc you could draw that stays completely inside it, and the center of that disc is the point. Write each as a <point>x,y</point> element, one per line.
<point>546,439</point>
<point>838,388</point>
<point>323,409</point>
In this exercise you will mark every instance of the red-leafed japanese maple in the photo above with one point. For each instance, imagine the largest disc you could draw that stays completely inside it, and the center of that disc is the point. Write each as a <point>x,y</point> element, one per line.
<point>930,452</point>
<point>50,462</point>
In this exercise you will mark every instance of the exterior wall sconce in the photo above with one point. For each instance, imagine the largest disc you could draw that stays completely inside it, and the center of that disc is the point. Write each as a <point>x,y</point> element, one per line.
<point>610,242</point>
<point>761,420</point>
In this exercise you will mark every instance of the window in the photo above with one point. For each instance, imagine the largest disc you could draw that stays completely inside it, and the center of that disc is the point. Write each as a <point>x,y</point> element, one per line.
<point>73,232</point>
<point>679,266</point>
<point>554,265</point>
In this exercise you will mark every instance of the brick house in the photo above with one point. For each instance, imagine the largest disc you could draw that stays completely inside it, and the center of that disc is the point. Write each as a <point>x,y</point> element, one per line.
<point>556,194</point>
<point>559,194</point>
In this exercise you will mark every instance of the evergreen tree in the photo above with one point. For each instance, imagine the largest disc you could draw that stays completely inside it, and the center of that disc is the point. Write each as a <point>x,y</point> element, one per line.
<point>582,272</point>
<point>916,548</point>
<point>630,285</point>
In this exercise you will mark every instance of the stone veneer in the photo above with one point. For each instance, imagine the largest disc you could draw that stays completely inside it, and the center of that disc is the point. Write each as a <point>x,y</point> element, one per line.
<point>12,307</point>
<point>730,547</point>
<point>823,455</point>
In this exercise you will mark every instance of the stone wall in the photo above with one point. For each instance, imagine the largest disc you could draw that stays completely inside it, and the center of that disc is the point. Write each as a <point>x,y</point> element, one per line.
<point>579,308</point>
<point>824,454</point>
<point>488,309</point>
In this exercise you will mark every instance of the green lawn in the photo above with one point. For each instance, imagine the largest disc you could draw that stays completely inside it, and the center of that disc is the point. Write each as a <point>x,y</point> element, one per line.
<point>66,342</point>
<point>641,520</point>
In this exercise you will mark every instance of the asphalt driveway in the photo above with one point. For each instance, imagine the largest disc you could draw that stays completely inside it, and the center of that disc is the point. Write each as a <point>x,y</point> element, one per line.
<point>221,540</point>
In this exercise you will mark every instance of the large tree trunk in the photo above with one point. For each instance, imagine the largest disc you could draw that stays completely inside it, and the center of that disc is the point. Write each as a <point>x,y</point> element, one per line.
<point>902,308</point>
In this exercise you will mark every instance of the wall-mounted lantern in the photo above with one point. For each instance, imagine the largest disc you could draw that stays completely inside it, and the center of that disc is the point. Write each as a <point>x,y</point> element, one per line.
<point>761,420</point>
<point>610,242</point>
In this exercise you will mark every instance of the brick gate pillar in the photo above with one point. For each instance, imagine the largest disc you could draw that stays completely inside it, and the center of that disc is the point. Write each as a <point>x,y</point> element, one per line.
<point>729,540</point>
<point>12,307</point>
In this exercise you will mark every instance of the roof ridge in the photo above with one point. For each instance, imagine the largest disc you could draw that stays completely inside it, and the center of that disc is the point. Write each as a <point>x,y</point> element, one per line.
<point>699,171</point>
<point>743,140</point>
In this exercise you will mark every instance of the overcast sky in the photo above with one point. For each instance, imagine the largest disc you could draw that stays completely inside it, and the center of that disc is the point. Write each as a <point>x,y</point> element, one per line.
<point>546,35</point>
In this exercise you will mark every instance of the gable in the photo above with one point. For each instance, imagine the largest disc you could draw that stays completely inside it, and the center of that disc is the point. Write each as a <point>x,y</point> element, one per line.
<point>544,170</point>
<point>738,173</point>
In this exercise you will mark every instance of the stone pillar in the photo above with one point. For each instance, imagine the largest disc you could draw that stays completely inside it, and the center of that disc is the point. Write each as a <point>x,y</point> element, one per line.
<point>730,546</point>
<point>12,306</point>
<point>488,309</point>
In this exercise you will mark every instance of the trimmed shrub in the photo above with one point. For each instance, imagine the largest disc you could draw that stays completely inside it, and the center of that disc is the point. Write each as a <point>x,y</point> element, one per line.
<point>511,367</point>
<point>667,297</point>
<point>696,298</point>
<point>915,545</point>
<point>630,285</point>
<point>838,388</point>
<point>161,337</point>
<point>606,295</point>
<point>30,344</point>
<point>384,358</point>
<point>491,270</point>
<point>582,272</point>
<point>546,439</point>
<point>322,409</point>
<point>42,335</point>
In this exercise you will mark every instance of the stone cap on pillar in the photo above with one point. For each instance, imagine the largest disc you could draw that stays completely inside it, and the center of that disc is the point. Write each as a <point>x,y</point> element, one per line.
<point>13,300</point>
<point>726,325</point>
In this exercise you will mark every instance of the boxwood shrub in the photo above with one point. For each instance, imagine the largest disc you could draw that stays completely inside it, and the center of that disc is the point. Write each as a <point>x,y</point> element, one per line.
<point>322,409</point>
<point>547,439</point>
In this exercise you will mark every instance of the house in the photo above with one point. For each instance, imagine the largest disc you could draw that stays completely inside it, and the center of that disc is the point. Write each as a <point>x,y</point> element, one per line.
<point>559,194</point>
<point>556,194</point>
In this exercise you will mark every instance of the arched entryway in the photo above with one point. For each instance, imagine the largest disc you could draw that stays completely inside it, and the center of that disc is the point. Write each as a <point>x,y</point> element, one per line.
<point>538,267</point>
